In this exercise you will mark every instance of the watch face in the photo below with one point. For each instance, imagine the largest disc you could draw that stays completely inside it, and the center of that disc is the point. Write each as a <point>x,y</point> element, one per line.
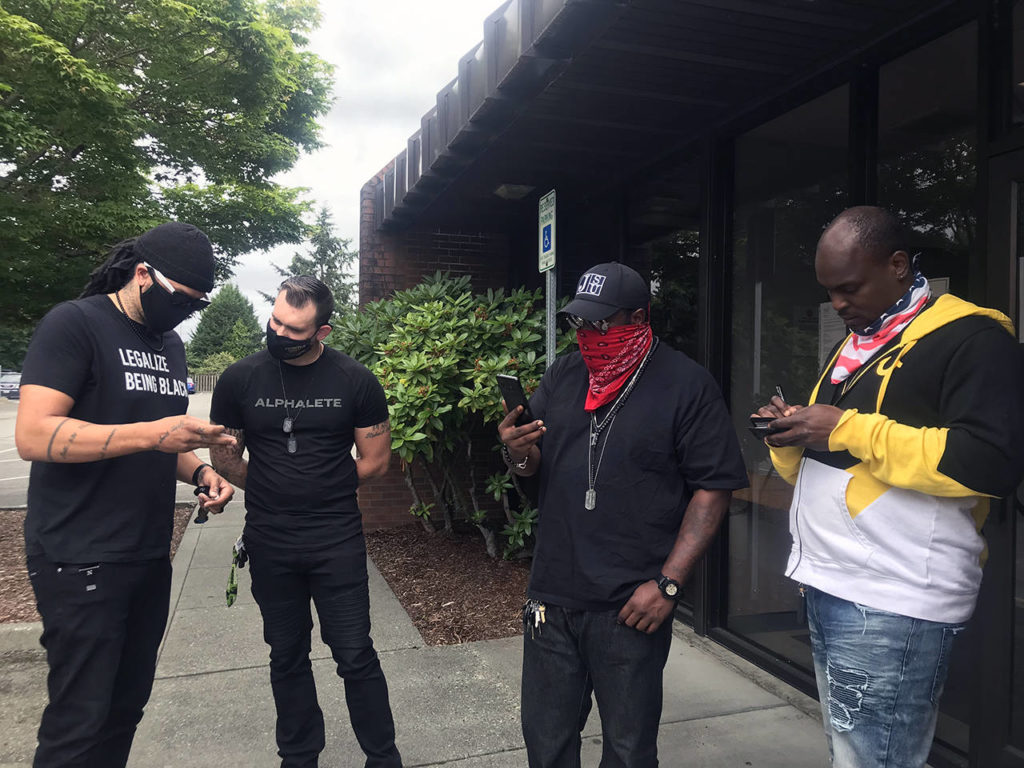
<point>671,589</point>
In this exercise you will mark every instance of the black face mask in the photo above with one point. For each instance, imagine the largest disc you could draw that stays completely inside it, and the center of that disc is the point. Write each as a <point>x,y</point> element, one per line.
<point>164,310</point>
<point>283,348</point>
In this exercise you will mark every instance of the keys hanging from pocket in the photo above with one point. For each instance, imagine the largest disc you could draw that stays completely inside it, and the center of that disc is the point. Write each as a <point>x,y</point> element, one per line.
<point>239,557</point>
<point>534,617</point>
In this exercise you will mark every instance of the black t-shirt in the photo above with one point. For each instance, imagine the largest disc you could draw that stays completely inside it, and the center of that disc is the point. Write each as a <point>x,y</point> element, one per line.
<point>672,436</point>
<point>120,509</point>
<point>304,500</point>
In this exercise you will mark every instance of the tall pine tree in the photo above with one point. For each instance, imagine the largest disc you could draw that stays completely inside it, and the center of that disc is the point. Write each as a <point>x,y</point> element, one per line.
<point>329,259</point>
<point>228,325</point>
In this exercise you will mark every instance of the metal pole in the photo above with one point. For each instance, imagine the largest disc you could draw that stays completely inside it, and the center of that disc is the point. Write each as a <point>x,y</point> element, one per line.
<point>551,286</point>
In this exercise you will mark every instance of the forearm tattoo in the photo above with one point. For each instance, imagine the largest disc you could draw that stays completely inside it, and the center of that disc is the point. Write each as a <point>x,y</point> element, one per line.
<point>167,434</point>
<point>49,448</point>
<point>384,428</point>
<point>72,438</point>
<point>103,450</point>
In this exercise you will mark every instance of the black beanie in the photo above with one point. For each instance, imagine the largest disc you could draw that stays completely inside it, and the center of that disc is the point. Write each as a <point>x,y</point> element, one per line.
<point>181,252</point>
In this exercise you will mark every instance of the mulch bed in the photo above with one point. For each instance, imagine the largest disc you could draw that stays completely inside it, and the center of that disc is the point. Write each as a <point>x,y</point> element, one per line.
<point>17,602</point>
<point>452,591</point>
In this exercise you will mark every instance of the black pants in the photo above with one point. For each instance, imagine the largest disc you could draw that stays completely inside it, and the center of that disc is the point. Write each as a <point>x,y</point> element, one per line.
<point>102,626</point>
<point>283,584</point>
<point>579,653</point>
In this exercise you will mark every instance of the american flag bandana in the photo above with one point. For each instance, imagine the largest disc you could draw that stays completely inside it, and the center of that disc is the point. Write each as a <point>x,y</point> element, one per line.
<point>860,347</point>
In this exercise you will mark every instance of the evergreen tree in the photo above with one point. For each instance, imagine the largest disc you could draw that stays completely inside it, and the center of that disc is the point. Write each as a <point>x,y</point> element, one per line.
<point>228,325</point>
<point>330,260</point>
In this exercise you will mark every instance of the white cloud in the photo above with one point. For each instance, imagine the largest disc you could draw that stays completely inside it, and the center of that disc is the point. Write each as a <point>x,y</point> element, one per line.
<point>391,57</point>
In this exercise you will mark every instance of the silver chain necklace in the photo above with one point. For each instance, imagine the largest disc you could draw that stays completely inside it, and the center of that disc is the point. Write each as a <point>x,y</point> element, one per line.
<point>590,498</point>
<point>289,421</point>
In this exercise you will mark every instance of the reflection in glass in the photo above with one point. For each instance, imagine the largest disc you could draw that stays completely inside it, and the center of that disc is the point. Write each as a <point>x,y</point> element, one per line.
<point>1018,63</point>
<point>927,171</point>
<point>790,182</point>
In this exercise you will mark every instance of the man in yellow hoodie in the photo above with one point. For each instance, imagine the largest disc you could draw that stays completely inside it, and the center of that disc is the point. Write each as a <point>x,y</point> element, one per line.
<point>914,423</point>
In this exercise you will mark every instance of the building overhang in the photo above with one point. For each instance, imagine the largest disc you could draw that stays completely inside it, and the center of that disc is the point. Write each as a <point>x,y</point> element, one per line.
<point>584,96</point>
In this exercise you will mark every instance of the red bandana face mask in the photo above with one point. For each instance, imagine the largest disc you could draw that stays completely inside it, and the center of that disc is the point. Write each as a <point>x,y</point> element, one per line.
<point>611,358</point>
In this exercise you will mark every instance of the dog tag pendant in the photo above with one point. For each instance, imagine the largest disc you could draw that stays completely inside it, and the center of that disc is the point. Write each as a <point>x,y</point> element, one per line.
<point>287,426</point>
<point>292,445</point>
<point>590,500</point>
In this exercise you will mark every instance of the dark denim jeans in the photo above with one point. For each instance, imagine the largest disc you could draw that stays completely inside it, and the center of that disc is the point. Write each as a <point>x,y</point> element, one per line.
<point>880,676</point>
<point>102,625</point>
<point>576,653</point>
<point>335,579</point>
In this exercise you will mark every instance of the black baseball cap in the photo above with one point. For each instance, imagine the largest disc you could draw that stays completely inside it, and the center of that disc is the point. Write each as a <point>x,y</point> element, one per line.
<point>604,289</point>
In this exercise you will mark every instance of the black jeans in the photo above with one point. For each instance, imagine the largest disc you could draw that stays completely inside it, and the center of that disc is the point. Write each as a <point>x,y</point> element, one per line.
<point>282,584</point>
<point>576,653</point>
<point>102,625</point>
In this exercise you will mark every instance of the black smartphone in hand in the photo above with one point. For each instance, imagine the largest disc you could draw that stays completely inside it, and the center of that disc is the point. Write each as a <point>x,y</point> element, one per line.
<point>513,395</point>
<point>761,426</point>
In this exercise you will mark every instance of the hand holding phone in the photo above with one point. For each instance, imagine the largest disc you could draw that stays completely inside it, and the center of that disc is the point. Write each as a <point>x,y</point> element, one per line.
<point>761,426</point>
<point>513,395</point>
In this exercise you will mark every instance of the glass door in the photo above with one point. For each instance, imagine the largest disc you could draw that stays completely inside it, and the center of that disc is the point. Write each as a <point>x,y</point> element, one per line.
<point>997,732</point>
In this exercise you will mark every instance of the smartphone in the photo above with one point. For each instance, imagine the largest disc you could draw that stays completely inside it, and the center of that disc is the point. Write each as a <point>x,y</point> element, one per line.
<point>761,426</point>
<point>513,395</point>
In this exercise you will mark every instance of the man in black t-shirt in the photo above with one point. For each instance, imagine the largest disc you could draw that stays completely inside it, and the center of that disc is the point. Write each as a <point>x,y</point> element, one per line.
<point>299,407</point>
<point>637,460</point>
<point>101,418</point>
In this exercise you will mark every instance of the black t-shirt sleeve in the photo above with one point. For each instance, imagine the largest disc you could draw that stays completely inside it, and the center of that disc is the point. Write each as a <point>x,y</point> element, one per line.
<point>981,404</point>
<point>706,445</point>
<point>60,353</point>
<point>226,404</point>
<point>371,403</point>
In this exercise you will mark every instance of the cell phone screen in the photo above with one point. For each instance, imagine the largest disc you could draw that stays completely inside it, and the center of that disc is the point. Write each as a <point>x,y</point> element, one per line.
<point>513,395</point>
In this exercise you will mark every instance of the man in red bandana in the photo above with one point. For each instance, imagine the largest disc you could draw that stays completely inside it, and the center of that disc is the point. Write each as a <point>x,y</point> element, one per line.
<point>637,460</point>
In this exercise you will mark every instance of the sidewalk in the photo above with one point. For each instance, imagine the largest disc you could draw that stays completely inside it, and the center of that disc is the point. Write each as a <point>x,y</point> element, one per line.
<point>454,705</point>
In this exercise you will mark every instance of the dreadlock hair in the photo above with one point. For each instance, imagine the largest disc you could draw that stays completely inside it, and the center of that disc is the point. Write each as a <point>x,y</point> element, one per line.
<point>114,273</point>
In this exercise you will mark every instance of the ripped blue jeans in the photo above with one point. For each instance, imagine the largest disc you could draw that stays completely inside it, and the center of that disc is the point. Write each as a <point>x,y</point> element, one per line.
<point>880,677</point>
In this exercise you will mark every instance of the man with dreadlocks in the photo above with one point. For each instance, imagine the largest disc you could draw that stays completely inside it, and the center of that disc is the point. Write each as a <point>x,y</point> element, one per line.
<point>102,419</point>
<point>637,460</point>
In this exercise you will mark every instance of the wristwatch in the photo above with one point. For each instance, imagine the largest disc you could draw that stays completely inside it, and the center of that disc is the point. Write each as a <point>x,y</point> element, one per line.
<point>669,587</point>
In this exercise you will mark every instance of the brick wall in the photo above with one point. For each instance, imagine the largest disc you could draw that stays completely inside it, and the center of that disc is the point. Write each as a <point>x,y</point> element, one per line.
<point>394,261</point>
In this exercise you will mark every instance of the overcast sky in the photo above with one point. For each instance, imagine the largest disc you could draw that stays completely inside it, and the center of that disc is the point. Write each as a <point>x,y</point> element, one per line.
<point>391,57</point>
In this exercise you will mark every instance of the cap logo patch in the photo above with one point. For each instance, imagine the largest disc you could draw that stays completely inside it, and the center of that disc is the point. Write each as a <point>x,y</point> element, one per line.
<point>590,284</point>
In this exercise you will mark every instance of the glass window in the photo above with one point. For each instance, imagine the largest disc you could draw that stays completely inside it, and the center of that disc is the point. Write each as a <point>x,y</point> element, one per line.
<point>927,170</point>
<point>1018,63</point>
<point>927,175</point>
<point>790,181</point>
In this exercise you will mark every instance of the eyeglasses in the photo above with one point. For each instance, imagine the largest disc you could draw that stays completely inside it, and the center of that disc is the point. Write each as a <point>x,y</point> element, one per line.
<point>578,322</point>
<point>178,298</point>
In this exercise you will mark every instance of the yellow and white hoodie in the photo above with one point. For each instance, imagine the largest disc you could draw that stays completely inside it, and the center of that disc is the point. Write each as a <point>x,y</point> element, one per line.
<point>890,516</point>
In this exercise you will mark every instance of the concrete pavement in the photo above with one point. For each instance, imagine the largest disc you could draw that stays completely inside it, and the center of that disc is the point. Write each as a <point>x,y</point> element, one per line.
<point>454,705</point>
